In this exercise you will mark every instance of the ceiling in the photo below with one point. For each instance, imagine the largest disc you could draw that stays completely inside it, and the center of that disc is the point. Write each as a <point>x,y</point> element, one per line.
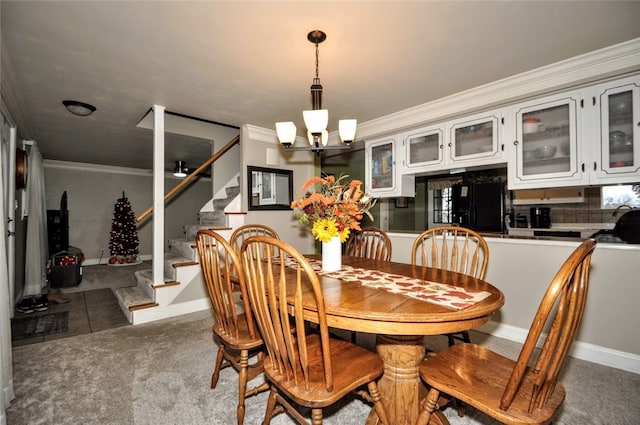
<point>250,62</point>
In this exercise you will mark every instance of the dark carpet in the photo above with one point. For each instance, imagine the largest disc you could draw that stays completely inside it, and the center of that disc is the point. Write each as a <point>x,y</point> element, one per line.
<point>46,324</point>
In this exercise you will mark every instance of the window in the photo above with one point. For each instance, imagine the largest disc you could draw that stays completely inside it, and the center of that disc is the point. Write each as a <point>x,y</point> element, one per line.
<point>440,202</point>
<point>442,206</point>
<point>615,196</point>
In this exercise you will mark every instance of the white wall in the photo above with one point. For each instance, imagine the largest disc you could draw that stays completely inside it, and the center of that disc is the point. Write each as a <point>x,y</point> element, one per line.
<point>93,191</point>
<point>228,165</point>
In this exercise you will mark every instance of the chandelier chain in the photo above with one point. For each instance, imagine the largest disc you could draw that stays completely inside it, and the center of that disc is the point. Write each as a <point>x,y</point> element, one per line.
<point>317,60</point>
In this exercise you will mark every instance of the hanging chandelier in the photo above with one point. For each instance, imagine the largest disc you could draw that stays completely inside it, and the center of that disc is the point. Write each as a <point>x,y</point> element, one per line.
<point>316,119</point>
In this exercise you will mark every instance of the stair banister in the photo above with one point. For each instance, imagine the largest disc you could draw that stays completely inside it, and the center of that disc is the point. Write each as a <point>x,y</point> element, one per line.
<point>192,175</point>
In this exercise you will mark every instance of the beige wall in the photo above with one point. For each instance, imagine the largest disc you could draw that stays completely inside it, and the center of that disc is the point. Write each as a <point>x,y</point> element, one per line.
<point>522,270</point>
<point>260,148</point>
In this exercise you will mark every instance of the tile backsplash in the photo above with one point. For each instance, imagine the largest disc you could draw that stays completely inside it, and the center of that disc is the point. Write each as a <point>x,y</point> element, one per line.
<point>588,211</point>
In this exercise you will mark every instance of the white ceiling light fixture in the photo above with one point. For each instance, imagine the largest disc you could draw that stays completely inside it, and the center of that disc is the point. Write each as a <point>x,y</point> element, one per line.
<point>180,170</point>
<point>80,109</point>
<point>316,119</point>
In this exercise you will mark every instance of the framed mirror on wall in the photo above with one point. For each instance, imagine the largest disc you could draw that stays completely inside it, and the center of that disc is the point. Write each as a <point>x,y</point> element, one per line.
<point>269,188</point>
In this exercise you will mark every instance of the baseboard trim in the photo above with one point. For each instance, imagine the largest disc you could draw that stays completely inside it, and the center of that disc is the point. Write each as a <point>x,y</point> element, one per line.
<point>105,260</point>
<point>581,350</point>
<point>172,310</point>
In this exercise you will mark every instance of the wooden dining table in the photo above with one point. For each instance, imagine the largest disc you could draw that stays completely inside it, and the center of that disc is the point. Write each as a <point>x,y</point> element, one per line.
<point>400,323</point>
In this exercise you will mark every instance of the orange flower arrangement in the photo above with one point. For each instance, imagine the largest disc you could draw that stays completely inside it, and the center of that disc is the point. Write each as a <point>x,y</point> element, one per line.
<point>334,208</point>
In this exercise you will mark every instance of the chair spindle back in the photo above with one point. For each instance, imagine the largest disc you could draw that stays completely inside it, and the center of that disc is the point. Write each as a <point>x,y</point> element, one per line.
<point>275,270</point>
<point>371,242</point>
<point>452,248</point>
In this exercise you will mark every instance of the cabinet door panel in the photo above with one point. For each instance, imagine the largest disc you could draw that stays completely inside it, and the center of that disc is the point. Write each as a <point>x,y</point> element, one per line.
<point>383,173</point>
<point>474,139</point>
<point>425,148</point>
<point>619,138</point>
<point>546,148</point>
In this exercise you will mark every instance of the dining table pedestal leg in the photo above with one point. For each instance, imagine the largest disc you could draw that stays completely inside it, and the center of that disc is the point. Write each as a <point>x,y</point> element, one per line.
<point>400,385</point>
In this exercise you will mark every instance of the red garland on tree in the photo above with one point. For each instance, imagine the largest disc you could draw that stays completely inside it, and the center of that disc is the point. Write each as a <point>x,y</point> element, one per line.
<point>123,242</point>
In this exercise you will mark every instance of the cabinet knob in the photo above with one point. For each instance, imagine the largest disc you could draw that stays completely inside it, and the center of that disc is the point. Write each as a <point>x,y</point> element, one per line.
<point>515,143</point>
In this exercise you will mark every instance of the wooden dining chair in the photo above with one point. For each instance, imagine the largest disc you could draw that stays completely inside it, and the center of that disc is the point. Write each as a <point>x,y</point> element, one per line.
<point>245,232</point>
<point>371,242</point>
<point>234,327</point>
<point>305,368</point>
<point>512,392</point>
<point>452,248</point>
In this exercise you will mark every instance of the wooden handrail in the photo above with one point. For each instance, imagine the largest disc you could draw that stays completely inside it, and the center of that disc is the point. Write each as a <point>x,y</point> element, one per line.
<point>192,175</point>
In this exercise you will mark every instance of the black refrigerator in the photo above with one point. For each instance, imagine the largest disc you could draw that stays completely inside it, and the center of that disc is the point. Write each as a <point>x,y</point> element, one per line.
<point>479,206</point>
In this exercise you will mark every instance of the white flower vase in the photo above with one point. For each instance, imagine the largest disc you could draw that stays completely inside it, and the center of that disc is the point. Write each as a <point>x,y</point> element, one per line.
<point>332,255</point>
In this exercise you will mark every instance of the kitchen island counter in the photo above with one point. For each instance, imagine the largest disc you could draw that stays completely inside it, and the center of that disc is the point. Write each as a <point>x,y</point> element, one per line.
<point>522,269</point>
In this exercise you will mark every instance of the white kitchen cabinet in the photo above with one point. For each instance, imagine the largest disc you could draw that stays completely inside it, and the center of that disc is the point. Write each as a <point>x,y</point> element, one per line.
<point>476,140</point>
<point>466,142</point>
<point>383,170</point>
<point>559,195</point>
<point>616,152</point>
<point>547,152</point>
<point>588,136</point>
<point>424,148</point>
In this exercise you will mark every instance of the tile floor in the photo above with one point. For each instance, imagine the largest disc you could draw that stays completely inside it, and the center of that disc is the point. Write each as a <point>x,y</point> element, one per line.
<point>89,311</point>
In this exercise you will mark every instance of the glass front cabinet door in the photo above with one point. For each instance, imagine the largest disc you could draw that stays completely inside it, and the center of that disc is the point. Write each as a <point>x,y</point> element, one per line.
<point>468,141</point>
<point>424,148</point>
<point>546,150</point>
<point>475,139</point>
<point>383,173</point>
<point>618,141</point>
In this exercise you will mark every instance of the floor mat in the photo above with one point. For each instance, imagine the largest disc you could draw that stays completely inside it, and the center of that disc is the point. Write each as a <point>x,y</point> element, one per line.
<point>46,324</point>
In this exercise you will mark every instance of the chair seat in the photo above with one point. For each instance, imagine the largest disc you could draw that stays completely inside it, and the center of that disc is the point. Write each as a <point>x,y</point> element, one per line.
<point>243,341</point>
<point>353,366</point>
<point>465,366</point>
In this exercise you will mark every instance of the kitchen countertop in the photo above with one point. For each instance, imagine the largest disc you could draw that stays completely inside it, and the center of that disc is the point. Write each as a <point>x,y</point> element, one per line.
<point>563,231</point>
<point>602,242</point>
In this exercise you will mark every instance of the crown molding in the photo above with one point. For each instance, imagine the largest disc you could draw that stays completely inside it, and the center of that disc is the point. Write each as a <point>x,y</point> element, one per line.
<point>609,62</point>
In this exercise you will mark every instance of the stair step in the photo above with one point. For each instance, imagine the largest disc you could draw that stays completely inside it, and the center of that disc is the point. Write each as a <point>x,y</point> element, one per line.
<point>134,297</point>
<point>192,230</point>
<point>184,248</point>
<point>213,218</point>
<point>165,284</point>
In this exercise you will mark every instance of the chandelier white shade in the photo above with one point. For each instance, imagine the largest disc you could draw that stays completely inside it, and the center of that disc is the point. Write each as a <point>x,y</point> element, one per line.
<point>347,130</point>
<point>316,120</point>
<point>286,132</point>
<point>324,138</point>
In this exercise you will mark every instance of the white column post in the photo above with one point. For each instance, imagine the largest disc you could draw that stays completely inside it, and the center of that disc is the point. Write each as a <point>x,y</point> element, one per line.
<point>158,194</point>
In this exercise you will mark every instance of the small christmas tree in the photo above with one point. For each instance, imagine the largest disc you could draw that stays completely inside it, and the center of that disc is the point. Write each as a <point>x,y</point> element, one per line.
<point>123,242</point>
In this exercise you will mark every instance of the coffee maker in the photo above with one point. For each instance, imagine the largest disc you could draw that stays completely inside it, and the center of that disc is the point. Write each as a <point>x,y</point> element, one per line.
<point>540,217</point>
